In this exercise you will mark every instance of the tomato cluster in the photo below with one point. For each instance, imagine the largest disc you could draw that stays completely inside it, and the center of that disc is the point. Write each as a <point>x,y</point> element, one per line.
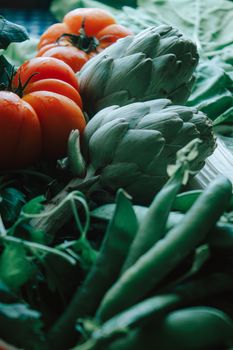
<point>39,123</point>
<point>83,33</point>
<point>43,104</point>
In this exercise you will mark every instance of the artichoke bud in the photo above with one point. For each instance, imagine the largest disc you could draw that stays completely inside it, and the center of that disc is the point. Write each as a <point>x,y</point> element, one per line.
<point>157,63</point>
<point>131,146</point>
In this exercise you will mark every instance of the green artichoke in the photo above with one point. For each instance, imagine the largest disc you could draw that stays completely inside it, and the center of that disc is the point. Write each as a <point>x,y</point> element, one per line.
<point>157,63</point>
<point>131,146</point>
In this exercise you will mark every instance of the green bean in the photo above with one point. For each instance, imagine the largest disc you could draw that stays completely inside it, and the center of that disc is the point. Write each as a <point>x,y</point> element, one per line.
<point>120,233</point>
<point>152,228</point>
<point>154,309</point>
<point>203,328</point>
<point>164,256</point>
<point>221,237</point>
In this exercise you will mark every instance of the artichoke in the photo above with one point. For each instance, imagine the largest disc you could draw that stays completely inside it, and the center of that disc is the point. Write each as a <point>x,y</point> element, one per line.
<point>131,146</point>
<point>157,63</point>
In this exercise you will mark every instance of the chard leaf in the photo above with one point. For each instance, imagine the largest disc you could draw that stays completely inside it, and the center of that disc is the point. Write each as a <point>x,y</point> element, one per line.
<point>209,23</point>
<point>15,267</point>
<point>11,32</point>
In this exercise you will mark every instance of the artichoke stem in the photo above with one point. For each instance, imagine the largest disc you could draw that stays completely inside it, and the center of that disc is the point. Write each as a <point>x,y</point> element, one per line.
<point>52,223</point>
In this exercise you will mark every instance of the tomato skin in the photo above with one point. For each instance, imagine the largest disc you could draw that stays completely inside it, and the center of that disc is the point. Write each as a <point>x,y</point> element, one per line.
<point>110,34</point>
<point>45,67</point>
<point>95,20</point>
<point>58,115</point>
<point>45,48</point>
<point>55,85</point>
<point>71,55</point>
<point>52,34</point>
<point>20,141</point>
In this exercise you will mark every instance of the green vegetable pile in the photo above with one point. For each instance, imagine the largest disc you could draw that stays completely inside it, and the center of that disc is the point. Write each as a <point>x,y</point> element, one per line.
<point>116,246</point>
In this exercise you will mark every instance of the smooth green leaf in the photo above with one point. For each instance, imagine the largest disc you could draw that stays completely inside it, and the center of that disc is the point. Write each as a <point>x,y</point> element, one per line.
<point>11,32</point>
<point>21,326</point>
<point>15,268</point>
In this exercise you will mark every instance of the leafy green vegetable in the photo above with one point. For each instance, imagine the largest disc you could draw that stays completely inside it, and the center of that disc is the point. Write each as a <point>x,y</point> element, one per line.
<point>208,23</point>
<point>15,267</point>
<point>11,32</point>
<point>17,53</point>
<point>212,91</point>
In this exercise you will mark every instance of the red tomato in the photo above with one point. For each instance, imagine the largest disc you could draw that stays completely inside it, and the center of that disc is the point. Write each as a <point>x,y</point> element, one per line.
<point>71,55</point>
<point>58,115</point>
<point>45,67</point>
<point>20,141</point>
<point>52,34</point>
<point>110,34</point>
<point>45,48</point>
<point>55,85</point>
<point>94,20</point>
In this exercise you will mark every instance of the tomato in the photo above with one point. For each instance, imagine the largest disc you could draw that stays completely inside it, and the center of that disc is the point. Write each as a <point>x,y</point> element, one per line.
<point>58,115</point>
<point>20,141</point>
<point>45,48</point>
<point>52,34</point>
<point>71,55</point>
<point>94,20</point>
<point>110,34</point>
<point>45,67</point>
<point>55,85</point>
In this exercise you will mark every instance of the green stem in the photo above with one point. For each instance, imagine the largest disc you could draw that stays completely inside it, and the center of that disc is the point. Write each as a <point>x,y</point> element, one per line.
<point>36,246</point>
<point>60,214</point>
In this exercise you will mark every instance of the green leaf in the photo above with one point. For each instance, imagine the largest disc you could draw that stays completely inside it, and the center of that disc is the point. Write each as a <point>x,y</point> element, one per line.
<point>212,91</point>
<point>34,206</point>
<point>209,23</point>
<point>11,203</point>
<point>15,268</point>
<point>11,32</point>
<point>6,70</point>
<point>18,53</point>
<point>21,326</point>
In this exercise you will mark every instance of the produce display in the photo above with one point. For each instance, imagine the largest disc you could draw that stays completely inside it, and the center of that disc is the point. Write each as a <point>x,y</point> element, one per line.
<point>109,122</point>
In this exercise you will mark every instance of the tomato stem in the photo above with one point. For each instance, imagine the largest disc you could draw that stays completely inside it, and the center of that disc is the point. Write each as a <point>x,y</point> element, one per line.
<point>81,40</point>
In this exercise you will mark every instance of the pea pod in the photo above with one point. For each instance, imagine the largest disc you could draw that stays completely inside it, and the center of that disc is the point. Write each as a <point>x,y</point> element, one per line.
<point>153,310</point>
<point>152,228</point>
<point>120,233</point>
<point>202,328</point>
<point>164,256</point>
